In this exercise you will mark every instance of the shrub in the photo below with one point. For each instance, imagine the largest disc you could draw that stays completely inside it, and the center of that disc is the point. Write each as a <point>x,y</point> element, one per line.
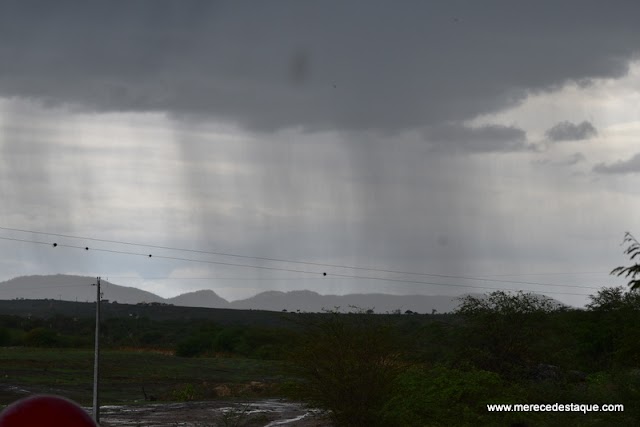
<point>184,393</point>
<point>230,340</point>
<point>348,363</point>
<point>500,329</point>
<point>194,345</point>
<point>42,337</point>
<point>443,396</point>
<point>5,337</point>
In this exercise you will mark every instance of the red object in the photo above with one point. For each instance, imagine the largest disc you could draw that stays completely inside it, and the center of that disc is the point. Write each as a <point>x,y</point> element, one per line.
<point>45,411</point>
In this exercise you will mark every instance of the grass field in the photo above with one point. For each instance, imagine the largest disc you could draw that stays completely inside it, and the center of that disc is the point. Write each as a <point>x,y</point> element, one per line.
<point>124,373</point>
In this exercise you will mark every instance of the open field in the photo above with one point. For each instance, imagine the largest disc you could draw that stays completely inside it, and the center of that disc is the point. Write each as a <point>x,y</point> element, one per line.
<point>416,369</point>
<point>146,388</point>
<point>124,374</point>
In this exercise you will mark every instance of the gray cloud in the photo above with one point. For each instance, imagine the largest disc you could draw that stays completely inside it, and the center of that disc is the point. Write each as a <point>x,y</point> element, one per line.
<point>567,131</point>
<point>575,158</point>
<point>312,65</point>
<point>377,78</point>
<point>621,167</point>
<point>484,139</point>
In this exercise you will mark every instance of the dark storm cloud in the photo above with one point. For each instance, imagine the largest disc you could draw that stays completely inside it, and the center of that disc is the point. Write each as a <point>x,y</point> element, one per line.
<point>312,65</point>
<point>379,78</point>
<point>567,131</point>
<point>621,167</point>
<point>484,139</point>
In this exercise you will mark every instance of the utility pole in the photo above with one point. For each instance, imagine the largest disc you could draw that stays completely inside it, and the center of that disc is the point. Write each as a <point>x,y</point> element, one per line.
<point>96,364</point>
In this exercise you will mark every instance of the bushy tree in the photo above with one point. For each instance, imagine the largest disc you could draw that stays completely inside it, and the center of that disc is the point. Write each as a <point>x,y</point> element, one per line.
<point>500,327</point>
<point>42,337</point>
<point>194,345</point>
<point>5,337</point>
<point>632,271</point>
<point>613,339</point>
<point>505,304</point>
<point>617,298</point>
<point>348,363</point>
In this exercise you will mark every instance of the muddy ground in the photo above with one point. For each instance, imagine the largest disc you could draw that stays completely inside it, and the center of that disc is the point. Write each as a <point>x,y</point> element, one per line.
<point>214,413</point>
<point>143,389</point>
<point>247,413</point>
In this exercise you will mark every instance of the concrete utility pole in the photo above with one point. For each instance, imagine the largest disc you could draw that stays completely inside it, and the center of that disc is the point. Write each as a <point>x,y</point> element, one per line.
<point>96,364</point>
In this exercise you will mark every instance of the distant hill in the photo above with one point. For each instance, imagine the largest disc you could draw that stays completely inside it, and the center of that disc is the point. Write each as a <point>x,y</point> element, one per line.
<point>71,288</point>
<point>203,298</point>
<point>313,302</point>
<point>78,288</point>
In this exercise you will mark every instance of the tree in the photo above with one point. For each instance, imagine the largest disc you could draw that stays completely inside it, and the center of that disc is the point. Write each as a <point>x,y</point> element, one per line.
<point>348,363</point>
<point>504,303</point>
<point>614,336</point>
<point>500,327</point>
<point>633,250</point>
<point>617,298</point>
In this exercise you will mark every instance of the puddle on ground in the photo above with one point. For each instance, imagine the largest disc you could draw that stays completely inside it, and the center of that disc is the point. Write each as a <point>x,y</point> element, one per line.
<point>254,413</point>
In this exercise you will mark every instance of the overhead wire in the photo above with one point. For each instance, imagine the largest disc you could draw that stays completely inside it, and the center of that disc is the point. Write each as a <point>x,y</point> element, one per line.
<point>333,274</point>
<point>221,278</point>
<point>378,270</point>
<point>568,273</point>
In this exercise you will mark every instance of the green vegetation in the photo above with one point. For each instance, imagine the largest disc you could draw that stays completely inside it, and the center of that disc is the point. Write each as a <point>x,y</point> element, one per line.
<point>407,370</point>
<point>365,369</point>
<point>633,250</point>
<point>349,363</point>
<point>132,376</point>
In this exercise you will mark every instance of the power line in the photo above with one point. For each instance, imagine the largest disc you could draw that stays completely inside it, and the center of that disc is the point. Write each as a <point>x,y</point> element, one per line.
<point>379,270</point>
<point>54,244</point>
<point>300,271</point>
<point>220,278</point>
<point>571,273</point>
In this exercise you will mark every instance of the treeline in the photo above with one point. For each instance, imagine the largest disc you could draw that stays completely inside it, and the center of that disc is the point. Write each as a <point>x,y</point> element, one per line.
<point>501,332</point>
<point>409,369</point>
<point>501,348</point>
<point>153,311</point>
<point>187,338</point>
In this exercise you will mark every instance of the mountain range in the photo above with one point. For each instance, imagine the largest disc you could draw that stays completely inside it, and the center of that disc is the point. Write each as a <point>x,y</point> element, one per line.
<point>79,288</point>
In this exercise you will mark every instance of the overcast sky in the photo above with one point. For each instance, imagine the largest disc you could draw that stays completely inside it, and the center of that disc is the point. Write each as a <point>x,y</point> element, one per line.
<point>486,140</point>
